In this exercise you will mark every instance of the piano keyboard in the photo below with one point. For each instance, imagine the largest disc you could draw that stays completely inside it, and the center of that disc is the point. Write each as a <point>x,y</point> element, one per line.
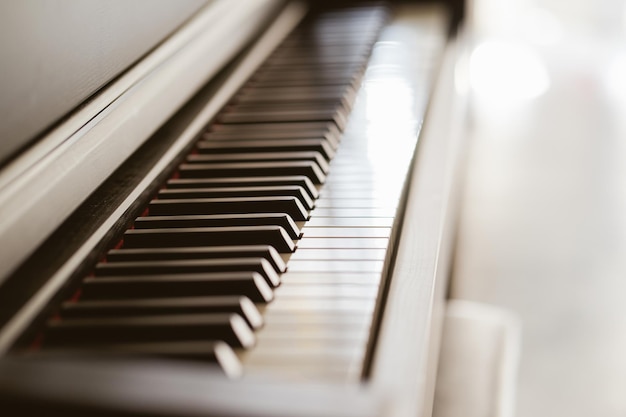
<point>266,250</point>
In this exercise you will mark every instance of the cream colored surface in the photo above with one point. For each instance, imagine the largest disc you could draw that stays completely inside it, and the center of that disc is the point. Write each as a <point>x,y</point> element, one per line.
<point>543,229</point>
<point>55,54</point>
<point>478,362</point>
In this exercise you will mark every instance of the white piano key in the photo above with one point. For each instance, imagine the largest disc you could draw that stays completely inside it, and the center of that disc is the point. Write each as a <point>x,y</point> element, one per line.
<point>352,212</point>
<point>332,339</point>
<point>314,325</point>
<point>343,291</point>
<point>304,372</point>
<point>331,335</point>
<point>356,179</point>
<point>342,186</point>
<point>338,254</point>
<point>336,266</point>
<point>350,222</point>
<point>343,191</point>
<point>331,278</point>
<point>327,358</point>
<point>372,193</point>
<point>356,203</point>
<point>321,304</point>
<point>322,331</point>
<point>346,232</point>
<point>318,365</point>
<point>265,349</point>
<point>343,243</point>
<point>317,317</point>
<point>351,148</point>
<point>360,170</point>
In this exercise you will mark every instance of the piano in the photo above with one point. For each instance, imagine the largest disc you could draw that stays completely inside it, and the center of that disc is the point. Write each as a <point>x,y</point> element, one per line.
<point>253,215</point>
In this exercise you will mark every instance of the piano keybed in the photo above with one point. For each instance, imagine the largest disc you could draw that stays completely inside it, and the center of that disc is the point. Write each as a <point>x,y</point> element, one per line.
<point>266,251</point>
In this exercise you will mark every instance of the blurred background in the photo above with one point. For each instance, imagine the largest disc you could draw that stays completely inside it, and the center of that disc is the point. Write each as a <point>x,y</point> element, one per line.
<point>543,227</point>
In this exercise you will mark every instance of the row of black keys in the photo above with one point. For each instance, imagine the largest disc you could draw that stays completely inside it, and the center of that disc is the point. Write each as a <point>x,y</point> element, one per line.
<point>189,273</point>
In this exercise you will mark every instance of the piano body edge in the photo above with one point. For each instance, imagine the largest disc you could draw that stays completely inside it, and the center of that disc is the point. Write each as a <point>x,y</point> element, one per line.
<point>406,358</point>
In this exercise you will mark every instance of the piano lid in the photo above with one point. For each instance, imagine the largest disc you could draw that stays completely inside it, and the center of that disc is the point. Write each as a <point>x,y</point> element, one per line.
<point>57,54</point>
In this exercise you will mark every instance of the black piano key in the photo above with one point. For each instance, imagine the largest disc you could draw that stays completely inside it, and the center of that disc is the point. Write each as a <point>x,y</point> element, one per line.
<point>325,34</point>
<point>253,251</point>
<point>302,78</point>
<point>345,41</point>
<point>337,75</point>
<point>229,328</point>
<point>318,57</point>
<point>232,205</point>
<point>250,146</point>
<point>241,192</point>
<point>339,26</point>
<point>299,130</point>
<point>252,205</point>
<point>353,32</point>
<point>297,94</point>
<point>211,352</point>
<point>190,266</point>
<point>220,220</point>
<point>164,307</point>
<point>361,50</point>
<point>344,19</point>
<point>285,115</point>
<point>248,284</point>
<point>343,68</point>
<point>313,156</point>
<point>313,61</point>
<point>348,21</point>
<point>286,138</point>
<point>216,353</point>
<point>299,180</point>
<point>210,236</point>
<point>226,137</point>
<point>251,169</point>
<point>279,107</point>
<point>318,128</point>
<point>226,192</point>
<point>336,48</point>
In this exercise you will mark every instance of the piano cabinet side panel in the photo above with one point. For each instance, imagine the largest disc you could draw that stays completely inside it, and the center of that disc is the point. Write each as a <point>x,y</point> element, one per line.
<point>405,358</point>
